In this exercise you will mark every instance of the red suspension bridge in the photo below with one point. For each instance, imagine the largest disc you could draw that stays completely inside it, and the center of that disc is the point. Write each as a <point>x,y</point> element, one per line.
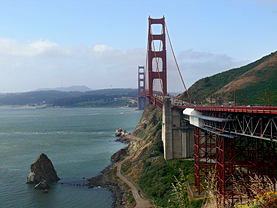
<point>236,141</point>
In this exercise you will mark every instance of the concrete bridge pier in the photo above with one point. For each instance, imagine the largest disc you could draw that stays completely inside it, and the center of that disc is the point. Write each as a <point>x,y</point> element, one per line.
<point>177,133</point>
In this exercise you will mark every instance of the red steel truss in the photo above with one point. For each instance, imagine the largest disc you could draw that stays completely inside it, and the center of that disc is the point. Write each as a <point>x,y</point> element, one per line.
<point>237,160</point>
<point>204,156</point>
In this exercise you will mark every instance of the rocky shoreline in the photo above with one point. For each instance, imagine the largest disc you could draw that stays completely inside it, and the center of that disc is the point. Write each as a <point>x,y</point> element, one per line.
<point>120,192</point>
<point>105,180</point>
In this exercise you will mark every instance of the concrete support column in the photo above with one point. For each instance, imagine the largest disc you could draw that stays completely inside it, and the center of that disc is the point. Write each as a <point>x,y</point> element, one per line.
<point>177,133</point>
<point>167,129</point>
<point>188,141</point>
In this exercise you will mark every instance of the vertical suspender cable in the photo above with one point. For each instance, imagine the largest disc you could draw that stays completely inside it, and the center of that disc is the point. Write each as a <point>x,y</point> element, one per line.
<point>176,62</point>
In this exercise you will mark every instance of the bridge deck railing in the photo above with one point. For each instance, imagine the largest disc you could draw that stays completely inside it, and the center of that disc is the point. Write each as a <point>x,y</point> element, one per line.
<point>181,104</point>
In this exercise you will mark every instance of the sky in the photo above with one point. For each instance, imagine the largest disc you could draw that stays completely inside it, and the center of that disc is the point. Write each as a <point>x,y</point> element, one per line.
<point>100,44</point>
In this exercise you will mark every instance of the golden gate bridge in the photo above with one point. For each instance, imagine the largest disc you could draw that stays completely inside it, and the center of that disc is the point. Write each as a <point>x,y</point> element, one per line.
<point>237,141</point>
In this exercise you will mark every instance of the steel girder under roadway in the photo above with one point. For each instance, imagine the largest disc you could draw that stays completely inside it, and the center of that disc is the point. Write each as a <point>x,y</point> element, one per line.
<point>260,126</point>
<point>244,149</point>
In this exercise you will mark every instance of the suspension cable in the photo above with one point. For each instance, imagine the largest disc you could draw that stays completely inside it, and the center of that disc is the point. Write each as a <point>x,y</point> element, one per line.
<point>176,62</point>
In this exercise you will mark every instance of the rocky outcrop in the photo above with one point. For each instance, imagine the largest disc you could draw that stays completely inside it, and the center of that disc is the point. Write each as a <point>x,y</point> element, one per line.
<point>42,185</point>
<point>119,155</point>
<point>125,139</point>
<point>120,133</point>
<point>42,170</point>
<point>45,191</point>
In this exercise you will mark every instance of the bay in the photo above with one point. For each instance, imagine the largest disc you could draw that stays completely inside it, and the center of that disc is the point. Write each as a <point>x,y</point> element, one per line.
<point>78,141</point>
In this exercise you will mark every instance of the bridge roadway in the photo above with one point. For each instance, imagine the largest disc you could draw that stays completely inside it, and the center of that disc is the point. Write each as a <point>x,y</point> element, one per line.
<point>181,104</point>
<point>252,121</point>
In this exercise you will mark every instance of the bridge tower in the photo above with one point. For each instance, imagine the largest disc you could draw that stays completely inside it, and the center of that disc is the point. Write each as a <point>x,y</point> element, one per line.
<point>141,88</point>
<point>153,54</point>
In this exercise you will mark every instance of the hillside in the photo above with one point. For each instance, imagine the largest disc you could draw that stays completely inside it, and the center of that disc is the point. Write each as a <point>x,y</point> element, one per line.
<point>253,80</point>
<point>147,166</point>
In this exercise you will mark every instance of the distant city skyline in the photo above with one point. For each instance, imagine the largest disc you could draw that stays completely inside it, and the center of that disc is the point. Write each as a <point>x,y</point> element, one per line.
<point>99,44</point>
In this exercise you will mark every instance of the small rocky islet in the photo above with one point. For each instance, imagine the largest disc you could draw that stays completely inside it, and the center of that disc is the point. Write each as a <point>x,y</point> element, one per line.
<point>42,173</point>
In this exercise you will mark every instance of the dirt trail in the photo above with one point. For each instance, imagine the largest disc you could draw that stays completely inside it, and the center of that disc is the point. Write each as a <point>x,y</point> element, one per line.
<point>140,202</point>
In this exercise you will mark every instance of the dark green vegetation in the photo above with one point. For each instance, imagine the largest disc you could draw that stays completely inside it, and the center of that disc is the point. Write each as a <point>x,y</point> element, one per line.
<point>97,98</point>
<point>157,178</point>
<point>253,80</point>
<point>150,170</point>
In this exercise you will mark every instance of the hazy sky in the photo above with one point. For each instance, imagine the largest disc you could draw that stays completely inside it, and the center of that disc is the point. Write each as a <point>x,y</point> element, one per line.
<point>49,43</point>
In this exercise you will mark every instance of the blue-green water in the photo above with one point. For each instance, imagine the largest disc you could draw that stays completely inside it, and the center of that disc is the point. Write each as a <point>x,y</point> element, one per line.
<point>78,141</point>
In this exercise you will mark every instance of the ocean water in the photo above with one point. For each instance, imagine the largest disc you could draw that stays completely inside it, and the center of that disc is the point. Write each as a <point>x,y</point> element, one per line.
<point>78,141</point>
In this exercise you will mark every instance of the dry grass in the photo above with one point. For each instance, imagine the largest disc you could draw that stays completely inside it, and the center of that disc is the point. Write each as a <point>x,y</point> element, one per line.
<point>210,189</point>
<point>180,191</point>
<point>261,187</point>
<point>248,77</point>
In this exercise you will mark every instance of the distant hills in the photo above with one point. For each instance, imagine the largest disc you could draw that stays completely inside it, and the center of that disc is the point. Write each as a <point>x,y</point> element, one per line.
<point>67,89</point>
<point>253,80</point>
<point>119,97</point>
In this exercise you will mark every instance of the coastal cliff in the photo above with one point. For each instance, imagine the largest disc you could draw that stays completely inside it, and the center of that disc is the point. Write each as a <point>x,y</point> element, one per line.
<point>146,165</point>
